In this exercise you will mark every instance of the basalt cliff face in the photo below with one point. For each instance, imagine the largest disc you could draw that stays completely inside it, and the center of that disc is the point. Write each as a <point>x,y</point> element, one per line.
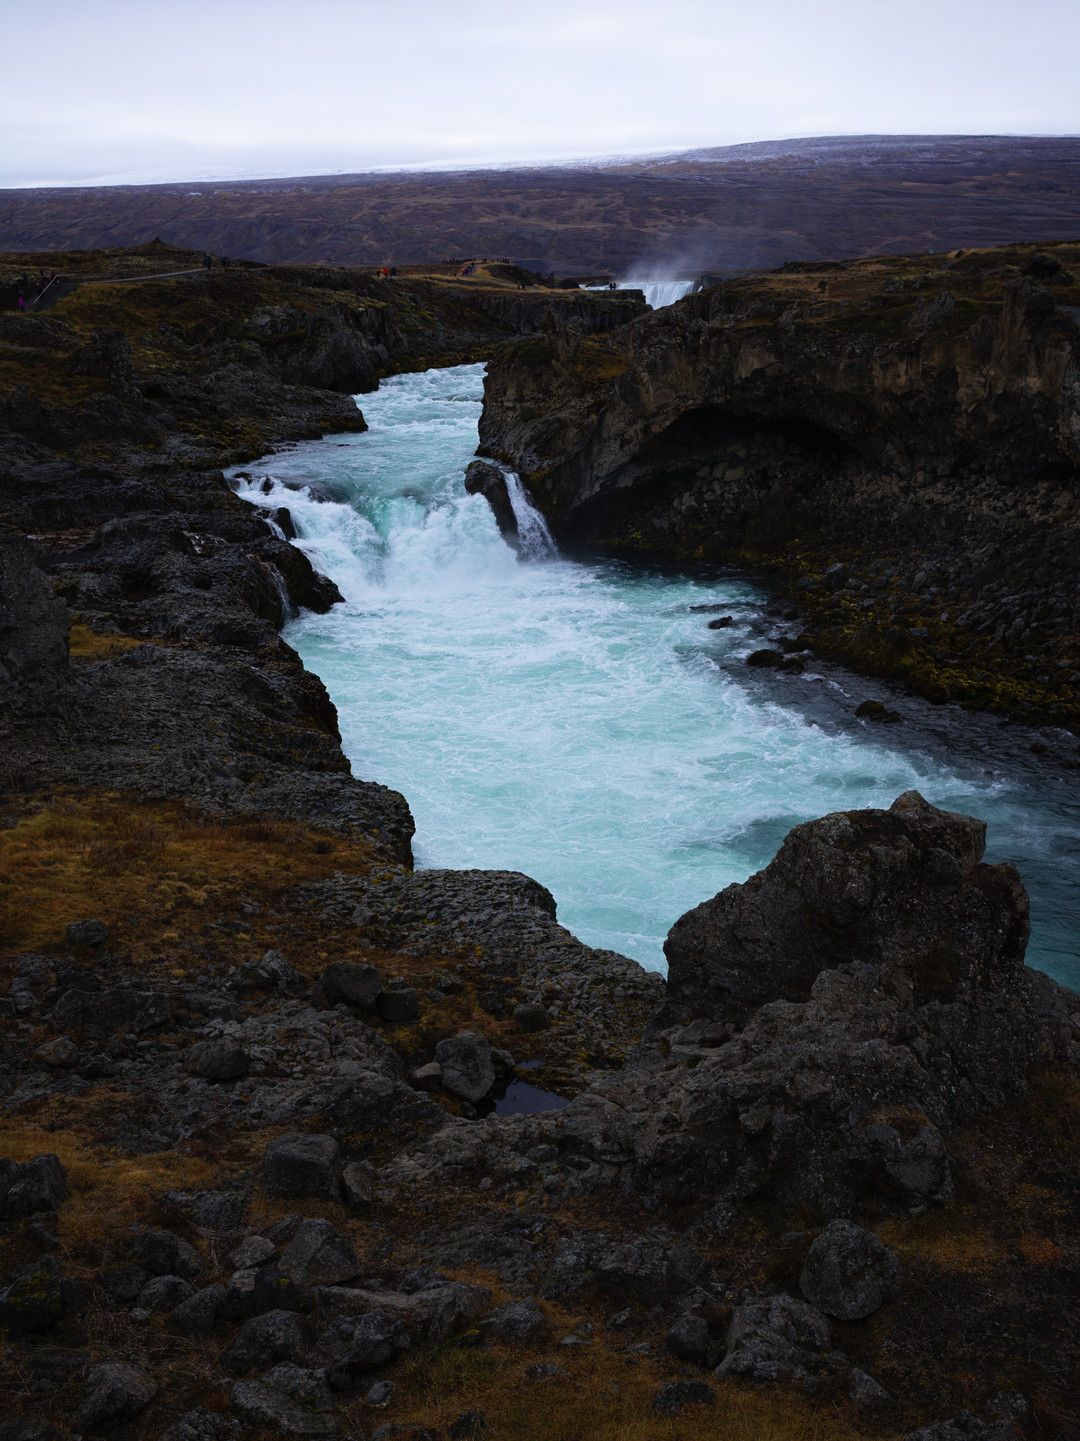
<point>914,425</point>
<point>254,1179</point>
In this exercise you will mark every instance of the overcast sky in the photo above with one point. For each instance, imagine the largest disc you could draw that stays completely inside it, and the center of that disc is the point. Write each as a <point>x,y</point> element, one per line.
<point>131,88</point>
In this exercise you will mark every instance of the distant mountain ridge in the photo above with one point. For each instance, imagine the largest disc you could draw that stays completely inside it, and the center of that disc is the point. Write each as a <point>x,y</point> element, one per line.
<point>729,207</point>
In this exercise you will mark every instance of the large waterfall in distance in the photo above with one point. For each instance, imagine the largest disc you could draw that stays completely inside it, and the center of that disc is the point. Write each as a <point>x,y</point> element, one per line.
<point>576,719</point>
<point>659,293</point>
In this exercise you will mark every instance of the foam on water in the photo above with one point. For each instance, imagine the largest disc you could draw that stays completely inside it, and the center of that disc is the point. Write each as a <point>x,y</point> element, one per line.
<point>575,720</point>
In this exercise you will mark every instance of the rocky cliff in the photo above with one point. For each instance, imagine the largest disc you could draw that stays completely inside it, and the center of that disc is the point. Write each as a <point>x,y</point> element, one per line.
<point>909,426</point>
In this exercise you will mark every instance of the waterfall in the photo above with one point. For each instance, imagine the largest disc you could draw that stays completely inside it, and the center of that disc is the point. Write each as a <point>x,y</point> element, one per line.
<point>534,538</point>
<point>659,293</point>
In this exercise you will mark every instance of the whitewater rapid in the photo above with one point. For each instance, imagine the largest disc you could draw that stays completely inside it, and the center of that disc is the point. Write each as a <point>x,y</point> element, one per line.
<point>659,293</point>
<point>575,718</point>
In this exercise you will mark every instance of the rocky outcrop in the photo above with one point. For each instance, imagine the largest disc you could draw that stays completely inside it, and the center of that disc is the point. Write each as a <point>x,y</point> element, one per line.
<point>915,422</point>
<point>829,1025</point>
<point>482,478</point>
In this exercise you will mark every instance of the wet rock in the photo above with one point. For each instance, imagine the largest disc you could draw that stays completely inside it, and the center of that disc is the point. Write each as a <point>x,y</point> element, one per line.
<point>775,1336</point>
<point>688,1339</point>
<point>263,1340</point>
<point>720,623</point>
<point>299,1164</point>
<point>318,1255</point>
<point>352,984</point>
<point>254,1251</point>
<point>869,1397</point>
<point>217,1060</point>
<point>87,933</point>
<point>358,1183</point>
<point>349,1348</point>
<point>531,1016</point>
<point>517,1322</point>
<point>874,710</point>
<point>849,1272</point>
<point>261,1405</point>
<point>399,1006</point>
<point>483,478</point>
<point>35,1186</point>
<point>115,1391</point>
<point>165,1293</point>
<point>197,1316</point>
<point>765,657</point>
<point>677,1395</point>
<point>467,1068</point>
<point>164,1254</point>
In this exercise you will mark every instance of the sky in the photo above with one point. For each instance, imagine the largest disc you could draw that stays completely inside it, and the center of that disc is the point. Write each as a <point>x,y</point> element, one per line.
<point>123,89</point>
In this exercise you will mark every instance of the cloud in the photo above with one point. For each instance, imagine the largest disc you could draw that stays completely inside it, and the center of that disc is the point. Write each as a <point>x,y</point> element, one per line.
<point>329,85</point>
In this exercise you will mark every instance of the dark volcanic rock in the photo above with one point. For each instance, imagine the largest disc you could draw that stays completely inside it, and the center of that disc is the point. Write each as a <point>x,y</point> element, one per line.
<point>262,1340</point>
<point>217,1060</point>
<point>115,1391</point>
<point>677,1395</point>
<point>903,889</point>
<point>517,1321</point>
<point>354,984</point>
<point>483,478</point>
<point>36,1185</point>
<point>33,626</point>
<point>318,1255</point>
<point>298,1164</point>
<point>774,1336</point>
<point>849,1272</point>
<point>467,1068</point>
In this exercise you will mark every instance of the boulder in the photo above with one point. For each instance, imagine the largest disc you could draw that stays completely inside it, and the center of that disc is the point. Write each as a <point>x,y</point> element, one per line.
<point>217,1060</point>
<point>197,1316</point>
<point>467,1067</point>
<point>350,1347</point>
<point>263,1406</point>
<point>688,1339</point>
<point>32,1187</point>
<point>904,889</point>
<point>271,972</point>
<point>259,1289</point>
<point>517,1322</point>
<point>262,1340</point>
<point>771,1337</point>
<point>849,1272</point>
<point>165,1293</point>
<point>358,1183</point>
<point>59,1053</point>
<point>34,1301</point>
<point>122,1284</point>
<point>318,1255</point>
<point>351,984</point>
<point>164,1254</point>
<point>201,1425</point>
<point>254,1251</point>
<point>115,1391</point>
<point>302,1384</point>
<point>299,1164</point>
<point>868,1396</point>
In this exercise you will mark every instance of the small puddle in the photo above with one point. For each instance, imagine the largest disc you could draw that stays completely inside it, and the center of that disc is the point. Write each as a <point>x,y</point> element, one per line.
<point>521,1099</point>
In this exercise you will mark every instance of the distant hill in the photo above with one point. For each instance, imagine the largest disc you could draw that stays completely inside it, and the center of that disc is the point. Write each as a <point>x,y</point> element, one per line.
<point>741,206</point>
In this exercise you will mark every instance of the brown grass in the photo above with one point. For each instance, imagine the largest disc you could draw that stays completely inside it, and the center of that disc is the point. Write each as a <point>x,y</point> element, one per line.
<point>153,873</point>
<point>87,646</point>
